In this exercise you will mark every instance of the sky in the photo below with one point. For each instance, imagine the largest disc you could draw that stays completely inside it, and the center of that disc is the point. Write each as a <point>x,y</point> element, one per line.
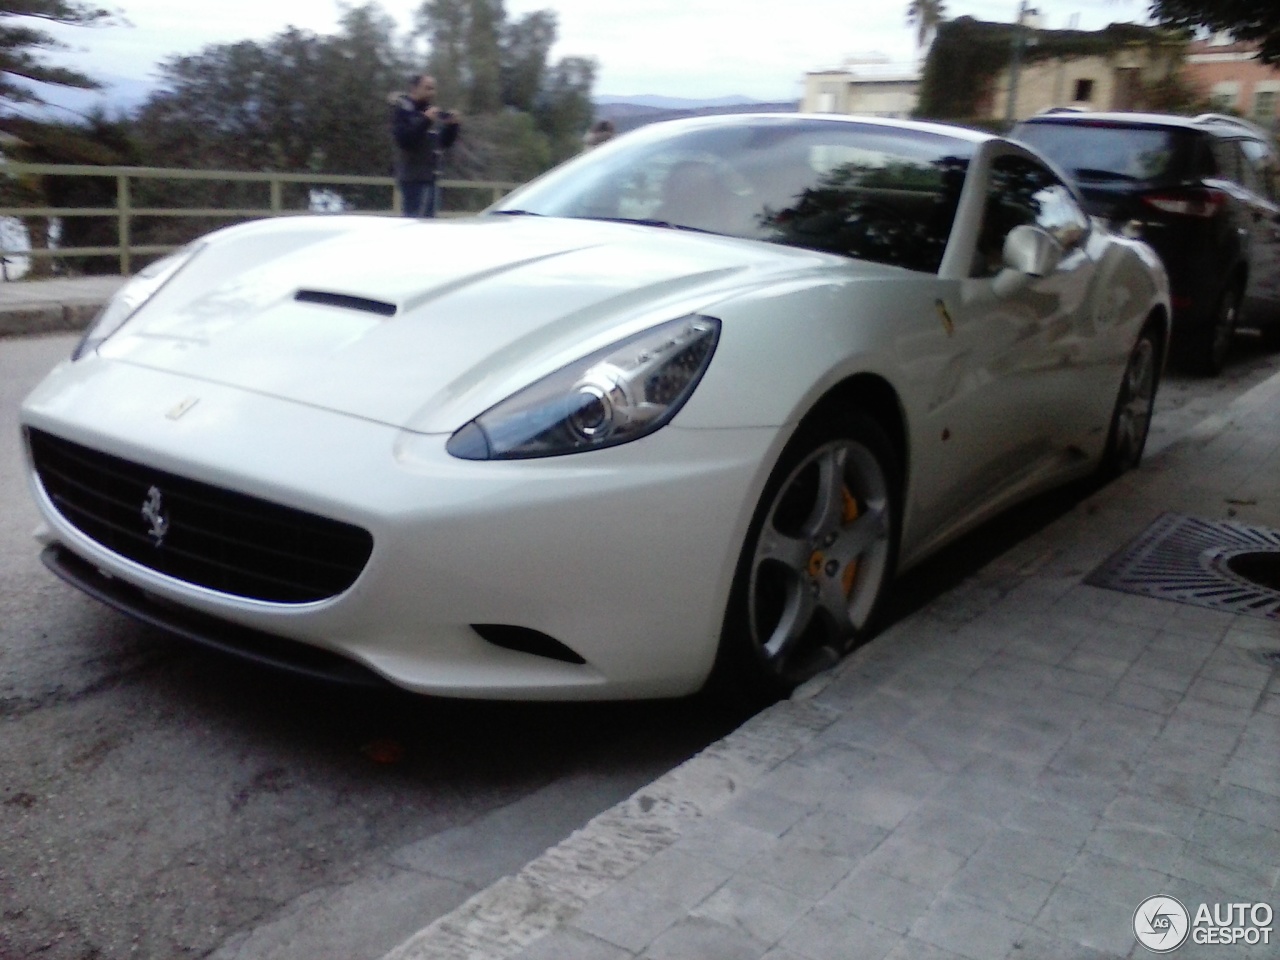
<point>697,49</point>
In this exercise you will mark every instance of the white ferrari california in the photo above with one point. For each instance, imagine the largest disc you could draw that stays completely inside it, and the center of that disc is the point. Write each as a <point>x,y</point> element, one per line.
<point>679,409</point>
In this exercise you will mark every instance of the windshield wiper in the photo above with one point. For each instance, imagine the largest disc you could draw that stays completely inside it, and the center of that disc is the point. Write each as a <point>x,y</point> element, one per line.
<point>646,222</point>
<point>516,213</point>
<point>1091,173</point>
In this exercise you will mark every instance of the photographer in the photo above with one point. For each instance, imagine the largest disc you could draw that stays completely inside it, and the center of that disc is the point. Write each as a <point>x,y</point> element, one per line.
<point>421,132</point>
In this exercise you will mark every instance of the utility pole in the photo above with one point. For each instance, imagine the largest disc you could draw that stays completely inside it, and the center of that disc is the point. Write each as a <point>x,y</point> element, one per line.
<point>1015,64</point>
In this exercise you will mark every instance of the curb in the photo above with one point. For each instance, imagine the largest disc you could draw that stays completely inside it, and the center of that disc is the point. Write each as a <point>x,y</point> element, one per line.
<point>53,318</point>
<point>520,909</point>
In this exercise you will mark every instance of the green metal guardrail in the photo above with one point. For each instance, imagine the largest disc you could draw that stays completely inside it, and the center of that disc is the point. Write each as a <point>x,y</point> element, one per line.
<point>125,212</point>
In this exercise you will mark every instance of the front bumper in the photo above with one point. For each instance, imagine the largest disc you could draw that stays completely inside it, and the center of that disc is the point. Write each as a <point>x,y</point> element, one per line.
<point>623,555</point>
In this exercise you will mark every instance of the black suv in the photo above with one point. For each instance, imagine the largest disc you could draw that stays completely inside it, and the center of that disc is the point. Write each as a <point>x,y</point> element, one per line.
<point>1204,192</point>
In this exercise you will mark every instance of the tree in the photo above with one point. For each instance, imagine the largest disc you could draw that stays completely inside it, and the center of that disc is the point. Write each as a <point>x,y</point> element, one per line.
<point>525,45</point>
<point>297,101</point>
<point>22,46</point>
<point>1254,21</point>
<point>925,15</point>
<point>564,107</point>
<point>465,56</point>
<point>468,39</point>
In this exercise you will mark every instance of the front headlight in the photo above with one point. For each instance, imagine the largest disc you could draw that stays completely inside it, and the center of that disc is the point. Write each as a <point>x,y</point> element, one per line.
<point>615,395</point>
<point>129,298</point>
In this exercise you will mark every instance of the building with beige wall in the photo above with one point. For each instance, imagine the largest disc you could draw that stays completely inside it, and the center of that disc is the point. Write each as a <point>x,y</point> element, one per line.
<point>871,87</point>
<point>1113,81</point>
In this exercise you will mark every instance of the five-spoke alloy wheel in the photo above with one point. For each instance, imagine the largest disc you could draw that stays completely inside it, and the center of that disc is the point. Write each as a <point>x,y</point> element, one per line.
<point>819,557</point>
<point>1131,421</point>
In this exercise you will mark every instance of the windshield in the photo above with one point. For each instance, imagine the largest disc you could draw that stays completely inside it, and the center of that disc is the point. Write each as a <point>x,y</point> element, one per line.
<point>862,190</point>
<point>1102,150</point>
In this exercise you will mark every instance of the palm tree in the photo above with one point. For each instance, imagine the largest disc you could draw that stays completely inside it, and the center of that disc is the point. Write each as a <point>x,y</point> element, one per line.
<point>925,15</point>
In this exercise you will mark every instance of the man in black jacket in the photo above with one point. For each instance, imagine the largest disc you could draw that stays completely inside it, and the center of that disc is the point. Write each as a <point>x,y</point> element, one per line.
<point>421,131</point>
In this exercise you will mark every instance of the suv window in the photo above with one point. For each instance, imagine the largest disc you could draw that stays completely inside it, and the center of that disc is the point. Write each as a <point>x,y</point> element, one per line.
<point>1264,165</point>
<point>1104,150</point>
<point>1228,163</point>
<point>1023,191</point>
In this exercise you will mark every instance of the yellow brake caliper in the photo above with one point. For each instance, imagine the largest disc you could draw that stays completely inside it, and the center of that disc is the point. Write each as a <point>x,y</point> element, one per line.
<point>847,517</point>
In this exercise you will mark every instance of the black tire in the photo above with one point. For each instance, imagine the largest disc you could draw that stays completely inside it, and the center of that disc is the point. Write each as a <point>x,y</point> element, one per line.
<point>1135,402</point>
<point>1271,336</point>
<point>818,556</point>
<point>1204,350</point>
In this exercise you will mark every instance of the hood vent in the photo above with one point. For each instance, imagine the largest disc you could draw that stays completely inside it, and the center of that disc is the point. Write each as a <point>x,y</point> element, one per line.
<point>347,302</point>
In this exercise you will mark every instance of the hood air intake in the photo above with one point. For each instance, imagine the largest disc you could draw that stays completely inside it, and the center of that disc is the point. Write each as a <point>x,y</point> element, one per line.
<point>347,302</point>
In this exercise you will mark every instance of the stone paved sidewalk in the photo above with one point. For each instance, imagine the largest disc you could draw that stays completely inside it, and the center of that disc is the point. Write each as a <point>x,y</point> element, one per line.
<point>49,306</point>
<point>1008,773</point>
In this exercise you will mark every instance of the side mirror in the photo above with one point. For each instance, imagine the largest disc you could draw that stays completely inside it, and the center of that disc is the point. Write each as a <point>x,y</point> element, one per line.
<point>1029,252</point>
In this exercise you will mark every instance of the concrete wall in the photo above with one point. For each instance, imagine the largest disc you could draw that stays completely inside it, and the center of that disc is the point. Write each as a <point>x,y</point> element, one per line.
<point>1097,83</point>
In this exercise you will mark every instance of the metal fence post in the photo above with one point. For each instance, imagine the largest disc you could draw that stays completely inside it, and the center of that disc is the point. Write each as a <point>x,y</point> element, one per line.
<point>124,205</point>
<point>277,195</point>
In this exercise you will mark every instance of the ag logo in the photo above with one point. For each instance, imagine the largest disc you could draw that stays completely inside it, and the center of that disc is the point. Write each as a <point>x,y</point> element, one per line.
<point>1161,924</point>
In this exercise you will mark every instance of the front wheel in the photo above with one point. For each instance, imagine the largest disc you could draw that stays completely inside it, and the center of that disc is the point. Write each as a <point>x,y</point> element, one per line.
<point>818,557</point>
<point>1131,419</point>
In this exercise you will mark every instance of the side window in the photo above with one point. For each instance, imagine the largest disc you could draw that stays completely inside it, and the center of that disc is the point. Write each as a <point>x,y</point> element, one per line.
<point>1250,179</point>
<point>1023,191</point>
<point>1265,167</point>
<point>1227,160</point>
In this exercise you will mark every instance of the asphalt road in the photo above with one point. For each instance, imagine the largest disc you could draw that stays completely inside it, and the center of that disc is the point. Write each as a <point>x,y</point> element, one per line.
<point>157,801</point>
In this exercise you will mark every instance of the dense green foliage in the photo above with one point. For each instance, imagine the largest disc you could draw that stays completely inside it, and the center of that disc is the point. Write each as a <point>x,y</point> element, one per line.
<point>968,54</point>
<point>1256,21</point>
<point>305,102</point>
<point>486,64</point>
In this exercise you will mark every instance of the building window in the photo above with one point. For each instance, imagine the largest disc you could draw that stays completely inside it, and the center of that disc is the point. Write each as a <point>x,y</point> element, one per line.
<point>1084,91</point>
<point>1224,96</point>
<point>828,97</point>
<point>1264,107</point>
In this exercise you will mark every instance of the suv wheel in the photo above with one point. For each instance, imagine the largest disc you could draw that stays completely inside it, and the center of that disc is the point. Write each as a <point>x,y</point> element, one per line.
<point>1205,349</point>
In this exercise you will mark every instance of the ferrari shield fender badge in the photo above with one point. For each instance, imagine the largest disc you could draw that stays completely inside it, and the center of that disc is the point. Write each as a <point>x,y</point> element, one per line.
<point>944,314</point>
<point>153,513</point>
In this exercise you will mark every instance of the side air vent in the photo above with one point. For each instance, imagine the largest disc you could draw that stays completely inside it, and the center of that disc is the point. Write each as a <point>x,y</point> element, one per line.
<point>346,302</point>
<point>526,640</point>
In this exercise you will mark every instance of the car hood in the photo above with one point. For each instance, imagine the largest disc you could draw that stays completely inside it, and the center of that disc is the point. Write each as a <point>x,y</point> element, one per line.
<point>425,324</point>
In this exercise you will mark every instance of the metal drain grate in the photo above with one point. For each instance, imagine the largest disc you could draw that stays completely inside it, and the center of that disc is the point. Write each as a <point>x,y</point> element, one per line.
<point>1201,562</point>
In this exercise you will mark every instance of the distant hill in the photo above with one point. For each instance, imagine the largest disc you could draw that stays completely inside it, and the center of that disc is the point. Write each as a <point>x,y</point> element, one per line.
<point>675,103</point>
<point>627,113</point>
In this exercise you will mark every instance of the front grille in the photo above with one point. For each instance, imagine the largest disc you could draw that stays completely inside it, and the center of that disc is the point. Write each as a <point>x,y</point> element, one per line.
<point>198,532</point>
